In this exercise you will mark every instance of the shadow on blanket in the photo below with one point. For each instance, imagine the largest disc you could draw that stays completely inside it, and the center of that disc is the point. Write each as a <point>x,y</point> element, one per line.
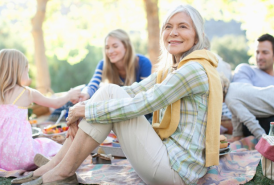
<point>237,167</point>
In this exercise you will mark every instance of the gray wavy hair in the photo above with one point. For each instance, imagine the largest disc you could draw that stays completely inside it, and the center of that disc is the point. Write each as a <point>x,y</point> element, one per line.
<point>166,59</point>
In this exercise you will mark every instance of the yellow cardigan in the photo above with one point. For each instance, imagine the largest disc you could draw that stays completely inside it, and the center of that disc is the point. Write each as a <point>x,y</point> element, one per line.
<point>171,117</point>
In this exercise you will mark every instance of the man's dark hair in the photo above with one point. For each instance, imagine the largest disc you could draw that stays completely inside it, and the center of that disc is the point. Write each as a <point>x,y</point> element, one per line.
<point>267,37</point>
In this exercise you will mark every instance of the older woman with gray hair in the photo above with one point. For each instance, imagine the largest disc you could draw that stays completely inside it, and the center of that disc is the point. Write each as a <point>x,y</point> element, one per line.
<point>186,98</point>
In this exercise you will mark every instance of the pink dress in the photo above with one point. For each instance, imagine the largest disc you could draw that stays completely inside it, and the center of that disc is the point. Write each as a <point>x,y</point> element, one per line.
<point>17,147</point>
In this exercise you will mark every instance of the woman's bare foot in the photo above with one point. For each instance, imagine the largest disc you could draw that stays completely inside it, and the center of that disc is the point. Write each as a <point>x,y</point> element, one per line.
<point>236,138</point>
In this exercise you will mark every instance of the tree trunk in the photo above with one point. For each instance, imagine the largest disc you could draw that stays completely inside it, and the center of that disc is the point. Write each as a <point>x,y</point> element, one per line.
<point>151,7</point>
<point>42,77</point>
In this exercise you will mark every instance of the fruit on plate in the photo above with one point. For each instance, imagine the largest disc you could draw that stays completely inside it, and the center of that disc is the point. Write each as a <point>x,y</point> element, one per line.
<point>33,121</point>
<point>55,129</point>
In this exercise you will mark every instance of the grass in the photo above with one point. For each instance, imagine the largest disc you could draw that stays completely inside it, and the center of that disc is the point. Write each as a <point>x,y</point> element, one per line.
<point>5,181</point>
<point>259,179</point>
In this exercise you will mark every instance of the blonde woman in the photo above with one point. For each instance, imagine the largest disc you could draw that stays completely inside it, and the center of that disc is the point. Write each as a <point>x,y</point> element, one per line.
<point>186,98</point>
<point>17,148</point>
<point>120,66</point>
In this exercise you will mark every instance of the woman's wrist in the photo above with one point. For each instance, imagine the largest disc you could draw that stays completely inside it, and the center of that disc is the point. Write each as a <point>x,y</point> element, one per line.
<point>80,111</point>
<point>87,96</point>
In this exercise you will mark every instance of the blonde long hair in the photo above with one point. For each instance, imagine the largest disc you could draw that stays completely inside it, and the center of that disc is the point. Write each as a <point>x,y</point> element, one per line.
<point>12,65</point>
<point>166,60</point>
<point>110,72</point>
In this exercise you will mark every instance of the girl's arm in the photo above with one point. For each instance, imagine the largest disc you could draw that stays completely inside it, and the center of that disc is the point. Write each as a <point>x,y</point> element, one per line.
<point>57,102</point>
<point>94,83</point>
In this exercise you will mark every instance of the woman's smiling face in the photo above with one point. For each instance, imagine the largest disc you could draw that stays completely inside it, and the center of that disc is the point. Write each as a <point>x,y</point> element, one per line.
<point>115,50</point>
<point>179,34</point>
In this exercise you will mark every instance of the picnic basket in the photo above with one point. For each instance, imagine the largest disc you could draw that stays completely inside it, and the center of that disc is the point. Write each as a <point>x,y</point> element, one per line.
<point>266,147</point>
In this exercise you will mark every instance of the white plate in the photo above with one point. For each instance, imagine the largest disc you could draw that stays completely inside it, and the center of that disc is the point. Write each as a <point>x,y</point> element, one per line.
<point>56,134</point>
<point>225,152</point>
<point>35,132</point>
<point>223,149</point>
<point>114,151</point>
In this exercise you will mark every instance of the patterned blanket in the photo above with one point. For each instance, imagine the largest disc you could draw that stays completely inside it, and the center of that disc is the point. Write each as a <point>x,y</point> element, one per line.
<point>237,167</point>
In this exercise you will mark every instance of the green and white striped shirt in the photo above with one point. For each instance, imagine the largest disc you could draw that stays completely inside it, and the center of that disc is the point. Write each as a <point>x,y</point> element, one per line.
<point>186,146</point>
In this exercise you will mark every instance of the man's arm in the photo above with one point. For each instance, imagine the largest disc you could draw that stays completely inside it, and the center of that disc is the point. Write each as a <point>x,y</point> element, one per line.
<point>243,73</point>
<point>240,100</point>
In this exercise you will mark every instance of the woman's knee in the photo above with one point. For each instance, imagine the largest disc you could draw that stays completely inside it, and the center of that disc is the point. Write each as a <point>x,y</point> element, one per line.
<point>111,91</point>
<point>110,88</point>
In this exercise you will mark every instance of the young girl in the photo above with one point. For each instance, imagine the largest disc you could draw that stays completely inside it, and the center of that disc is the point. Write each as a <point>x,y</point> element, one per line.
<point>17,148</point>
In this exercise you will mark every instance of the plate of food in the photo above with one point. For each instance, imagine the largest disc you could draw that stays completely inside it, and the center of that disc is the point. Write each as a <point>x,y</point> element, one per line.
<point>115,143</point>
<point>107,141</point>
<point>54,130</point>
<point>224,149</point>
<point>224,145</point>
<point>225,152</point>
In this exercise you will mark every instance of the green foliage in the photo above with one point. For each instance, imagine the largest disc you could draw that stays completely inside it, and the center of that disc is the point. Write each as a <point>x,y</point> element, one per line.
<point>65,76</point>
<point>233,49</point>
<point>11,40</point>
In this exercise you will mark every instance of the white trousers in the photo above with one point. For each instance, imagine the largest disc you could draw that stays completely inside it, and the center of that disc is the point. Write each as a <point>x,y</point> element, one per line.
<point>142,146</point>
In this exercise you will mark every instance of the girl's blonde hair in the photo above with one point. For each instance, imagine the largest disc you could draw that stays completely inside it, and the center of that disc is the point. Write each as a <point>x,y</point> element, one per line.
<point>12,66</point>
<point>110,72</point>
<point>166,59</point>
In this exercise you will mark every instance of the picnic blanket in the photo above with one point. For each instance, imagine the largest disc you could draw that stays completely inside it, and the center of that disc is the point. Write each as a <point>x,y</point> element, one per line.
<point>237,167</point>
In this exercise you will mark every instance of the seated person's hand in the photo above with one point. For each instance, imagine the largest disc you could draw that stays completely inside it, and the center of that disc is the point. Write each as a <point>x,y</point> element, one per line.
<point>76,113</point>
<point>73,128</point>
<point>74,95</point>
<point>84,96</point>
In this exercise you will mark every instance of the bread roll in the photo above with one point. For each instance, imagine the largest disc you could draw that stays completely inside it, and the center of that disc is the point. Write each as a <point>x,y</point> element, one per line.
<point>223,145</point>
<point>223,142</point>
